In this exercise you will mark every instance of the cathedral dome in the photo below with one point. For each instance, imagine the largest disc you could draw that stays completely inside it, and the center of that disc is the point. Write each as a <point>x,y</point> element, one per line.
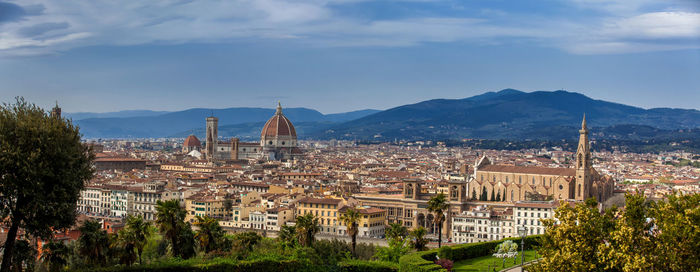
<point>192,141</point>
<point>278,126</point>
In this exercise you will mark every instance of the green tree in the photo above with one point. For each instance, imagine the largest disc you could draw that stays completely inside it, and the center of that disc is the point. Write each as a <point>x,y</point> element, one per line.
<point>572,244</point>
<point>498,196</point>
<point>474,194</point>
<point>287,236</point>
<point>438,205</point>
<point>484,194</point>
<point>136,233</point>
<point>122,245</point>
<point>631,243</point>
<point>245,241</point>
<point>398,244</point>
<point>418,240</point>
<point>306,228</point>
<point>676,227</point>
<point>396,231</point>
<point>493,195</point>
<point>210,235</point>
<point>43,167</point>
<point>54,256</point>
<point>350,219</point>
<point>170,219</point>
<point>93,242</point>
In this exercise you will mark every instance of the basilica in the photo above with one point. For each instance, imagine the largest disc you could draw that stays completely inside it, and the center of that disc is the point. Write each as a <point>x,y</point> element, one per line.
<point>278,141</point>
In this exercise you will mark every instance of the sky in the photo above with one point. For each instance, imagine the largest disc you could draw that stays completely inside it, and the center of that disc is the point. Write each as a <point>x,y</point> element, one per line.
<point>343,55</point>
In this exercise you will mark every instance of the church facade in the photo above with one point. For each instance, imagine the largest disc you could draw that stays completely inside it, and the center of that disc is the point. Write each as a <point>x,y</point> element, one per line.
<point>278,141</point>
<point>521,183</point>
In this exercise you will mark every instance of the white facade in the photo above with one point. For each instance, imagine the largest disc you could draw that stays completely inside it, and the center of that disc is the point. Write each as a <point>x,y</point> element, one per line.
<point>530,213</point>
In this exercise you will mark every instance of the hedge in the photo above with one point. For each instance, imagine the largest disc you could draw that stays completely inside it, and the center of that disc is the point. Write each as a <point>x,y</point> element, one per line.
<point>424,260</point>
<point>368,266</point>
<point>214,266</point>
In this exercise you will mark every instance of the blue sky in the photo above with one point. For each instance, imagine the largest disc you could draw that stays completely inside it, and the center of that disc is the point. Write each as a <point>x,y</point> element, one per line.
<point>344,55</point>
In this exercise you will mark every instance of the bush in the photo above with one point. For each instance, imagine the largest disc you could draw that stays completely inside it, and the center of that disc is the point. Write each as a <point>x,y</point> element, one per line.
<point>445,253</point>
<point>419,261</point>
<point>193,265</point>
<point>367,266</point>
<point>445,263</point>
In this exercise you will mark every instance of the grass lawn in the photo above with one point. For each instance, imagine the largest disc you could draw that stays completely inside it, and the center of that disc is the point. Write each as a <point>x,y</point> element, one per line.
<point>482,263</point>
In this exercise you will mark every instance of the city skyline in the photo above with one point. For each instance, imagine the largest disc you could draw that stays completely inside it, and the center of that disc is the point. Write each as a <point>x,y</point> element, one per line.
<point>338,56</point>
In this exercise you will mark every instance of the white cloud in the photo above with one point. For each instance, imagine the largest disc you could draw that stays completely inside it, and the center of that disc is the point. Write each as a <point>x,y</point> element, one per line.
<point>318,22</point>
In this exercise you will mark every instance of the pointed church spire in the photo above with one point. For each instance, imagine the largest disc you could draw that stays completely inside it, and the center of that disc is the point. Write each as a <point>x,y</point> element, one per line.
<point>583,123</point>
<point>279,108</point>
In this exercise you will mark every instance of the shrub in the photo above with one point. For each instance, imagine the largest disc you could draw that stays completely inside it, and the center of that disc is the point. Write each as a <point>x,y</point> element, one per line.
<point>445,253</point>
<point>367,266</point>
<point>445,263</point>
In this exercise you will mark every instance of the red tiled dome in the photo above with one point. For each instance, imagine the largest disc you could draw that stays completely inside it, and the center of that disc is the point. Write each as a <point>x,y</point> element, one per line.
<point>192,141</point>
<point>278,125</point>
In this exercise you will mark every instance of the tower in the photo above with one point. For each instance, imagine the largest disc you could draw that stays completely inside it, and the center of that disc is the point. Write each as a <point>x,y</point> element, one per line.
<point>583,164</point>
<point>56,111</point>
<point>212,136</point>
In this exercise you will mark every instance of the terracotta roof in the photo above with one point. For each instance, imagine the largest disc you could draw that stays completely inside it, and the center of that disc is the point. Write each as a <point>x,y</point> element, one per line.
<point>192,141</point>
<point>320,200</point>
<point>529,170</point>
<point>278,125</point>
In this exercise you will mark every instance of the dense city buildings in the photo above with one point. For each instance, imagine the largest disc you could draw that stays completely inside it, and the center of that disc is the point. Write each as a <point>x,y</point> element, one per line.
<point>265,185</point>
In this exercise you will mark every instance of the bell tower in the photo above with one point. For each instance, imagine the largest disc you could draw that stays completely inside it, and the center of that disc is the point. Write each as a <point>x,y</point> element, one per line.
<point>212,136</point>
<point>583,164</point>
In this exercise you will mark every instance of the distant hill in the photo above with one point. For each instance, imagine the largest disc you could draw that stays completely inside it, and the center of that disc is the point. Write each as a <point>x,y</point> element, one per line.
<point>509,114</point>
<point>117,114</point>
<point>182,123</point>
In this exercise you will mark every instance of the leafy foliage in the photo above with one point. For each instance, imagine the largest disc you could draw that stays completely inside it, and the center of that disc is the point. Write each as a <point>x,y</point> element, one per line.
<point>438,205</point>
<point>306,228</point>
<point>350,219</point>
<point>418,240</point>
<point>43,166</point>
<point>663,235</point>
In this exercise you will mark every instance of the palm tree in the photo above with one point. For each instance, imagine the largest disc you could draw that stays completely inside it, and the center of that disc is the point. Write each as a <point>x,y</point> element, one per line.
<point>209,233</point>
<point>92,242</point>
<point>306,228</point>
<point>438,205</point>
<point>287,236</point>
<point>137,231</point>
<point>419,241</point>
<point>123,245</point>
<point>170,219</point>
<point>350,219</point>
<point>54,255</point>
<point>396,231</point>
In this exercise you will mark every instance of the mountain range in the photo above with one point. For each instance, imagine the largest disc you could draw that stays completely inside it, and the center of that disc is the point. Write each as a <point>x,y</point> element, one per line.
<point>507,114</point>
<point>183,123</point>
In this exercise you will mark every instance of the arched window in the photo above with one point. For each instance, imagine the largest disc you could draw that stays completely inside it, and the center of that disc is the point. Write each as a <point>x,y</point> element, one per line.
<point>494,178</point>
<point>482,177</point>
<point>511,195</point>
<point>533,180</point>
<point>579,190</point>
<point>506,179</point>
<point>520,179</point>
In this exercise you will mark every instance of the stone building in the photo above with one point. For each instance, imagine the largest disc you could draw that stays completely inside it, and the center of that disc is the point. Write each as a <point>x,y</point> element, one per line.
<point>510,183</point>
<point>278,141</point>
